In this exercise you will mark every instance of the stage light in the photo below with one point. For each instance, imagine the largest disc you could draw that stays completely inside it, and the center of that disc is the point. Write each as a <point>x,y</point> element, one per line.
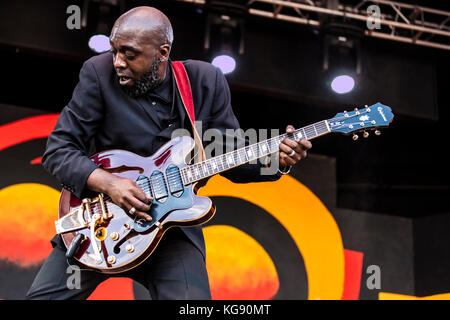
<point>224,40</point>
<point>98,19</point>
<point>342,55</point>
<point>99,43</point>
<point>225,63</point>
<point>343,84</point>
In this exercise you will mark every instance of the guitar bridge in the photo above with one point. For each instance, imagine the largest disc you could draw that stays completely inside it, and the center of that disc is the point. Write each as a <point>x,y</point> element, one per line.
<point>75,219</point>
<point>72,221</point>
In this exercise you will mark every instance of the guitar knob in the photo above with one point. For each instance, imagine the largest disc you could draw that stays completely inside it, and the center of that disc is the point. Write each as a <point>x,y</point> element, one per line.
<point>365,134</point>
<point>355,137</point>
<point>114,236</point>
<point>377,132</point>
<point>129,248</point>
<point>111,259</point>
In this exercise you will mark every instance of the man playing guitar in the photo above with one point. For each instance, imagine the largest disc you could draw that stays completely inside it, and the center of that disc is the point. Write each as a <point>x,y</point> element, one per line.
<point>127,99</point>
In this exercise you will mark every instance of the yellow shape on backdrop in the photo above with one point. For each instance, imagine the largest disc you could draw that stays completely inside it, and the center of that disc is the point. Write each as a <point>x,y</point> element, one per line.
<point>307,220</point>
<point>395,296</point>
<point>27,215</point>
<point>253,273</point>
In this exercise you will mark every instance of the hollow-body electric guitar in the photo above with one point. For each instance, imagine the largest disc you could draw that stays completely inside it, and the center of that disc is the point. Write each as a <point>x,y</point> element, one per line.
<point>102,236</point>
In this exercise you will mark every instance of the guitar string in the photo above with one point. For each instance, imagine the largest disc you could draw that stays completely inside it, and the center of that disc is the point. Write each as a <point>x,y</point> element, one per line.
<point>310,130</point>
<point>193,173</point>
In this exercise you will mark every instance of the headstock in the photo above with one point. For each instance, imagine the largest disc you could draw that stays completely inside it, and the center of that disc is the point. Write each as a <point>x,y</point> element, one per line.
<point>369,118</point>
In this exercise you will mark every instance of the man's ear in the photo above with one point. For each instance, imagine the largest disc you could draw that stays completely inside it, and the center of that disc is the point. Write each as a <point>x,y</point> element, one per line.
<point>164,52</point>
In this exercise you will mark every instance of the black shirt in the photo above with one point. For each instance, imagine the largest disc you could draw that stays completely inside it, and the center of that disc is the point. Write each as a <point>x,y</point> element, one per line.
<point>161,100</point>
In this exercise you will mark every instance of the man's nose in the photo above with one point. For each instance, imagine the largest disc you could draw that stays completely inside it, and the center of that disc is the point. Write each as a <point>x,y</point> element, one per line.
<point>118,62</point>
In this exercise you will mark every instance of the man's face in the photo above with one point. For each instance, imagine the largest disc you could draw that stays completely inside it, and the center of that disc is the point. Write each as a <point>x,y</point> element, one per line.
<point>133,57</point>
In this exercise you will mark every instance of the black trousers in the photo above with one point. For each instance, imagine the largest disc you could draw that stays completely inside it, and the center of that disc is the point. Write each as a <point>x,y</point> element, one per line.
<point>176,270</point>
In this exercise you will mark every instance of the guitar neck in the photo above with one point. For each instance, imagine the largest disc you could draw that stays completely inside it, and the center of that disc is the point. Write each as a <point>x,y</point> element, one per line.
<point>238,157</point>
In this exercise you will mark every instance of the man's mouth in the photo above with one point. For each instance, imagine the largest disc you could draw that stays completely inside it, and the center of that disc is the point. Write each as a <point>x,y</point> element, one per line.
<point>124,80</point>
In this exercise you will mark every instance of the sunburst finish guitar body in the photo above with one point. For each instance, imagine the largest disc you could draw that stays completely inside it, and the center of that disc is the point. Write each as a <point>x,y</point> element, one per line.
<point>113,240</point>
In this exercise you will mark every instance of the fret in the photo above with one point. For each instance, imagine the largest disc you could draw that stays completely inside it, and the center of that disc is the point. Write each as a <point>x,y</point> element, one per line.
<point>250,154</point>
<point>260,149</point>
<point>255,150</point>
<point>206,168</point>
<point>189,173</point>
<point>309,132</point>
<point>195,173</point>
<point>214,164</point>
<point>273,145</point>
<point>230,160</point>
<point>210,168</point>
<point>323,128</point>
<point>243,155</point>
<point>246,155</point>
<point>201,170</point>
<point>263,148</point>
<point>239,157</point>
<point>236,158</point>
<point>223,161</point>
<point>183,178</point>
<point>304,134</point>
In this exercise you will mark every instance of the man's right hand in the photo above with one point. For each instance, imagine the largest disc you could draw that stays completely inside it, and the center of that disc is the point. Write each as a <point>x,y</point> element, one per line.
<point>123,192</point>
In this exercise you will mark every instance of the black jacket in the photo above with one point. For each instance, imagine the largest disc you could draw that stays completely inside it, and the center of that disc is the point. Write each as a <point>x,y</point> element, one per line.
<point>101,116</point>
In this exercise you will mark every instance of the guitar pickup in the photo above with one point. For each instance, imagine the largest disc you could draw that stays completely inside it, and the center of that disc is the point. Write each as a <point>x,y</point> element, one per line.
<point>159,186</point>
<point>174,181</point>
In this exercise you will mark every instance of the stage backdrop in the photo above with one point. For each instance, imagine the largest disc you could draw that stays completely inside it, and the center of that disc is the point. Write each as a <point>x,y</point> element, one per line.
<point>278,240</point>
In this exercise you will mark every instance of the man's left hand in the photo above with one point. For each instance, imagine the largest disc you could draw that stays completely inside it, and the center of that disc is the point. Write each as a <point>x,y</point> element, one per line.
<point>292,151</point>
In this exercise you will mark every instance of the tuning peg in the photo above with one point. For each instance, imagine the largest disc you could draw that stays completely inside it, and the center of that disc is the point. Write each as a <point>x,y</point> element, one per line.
<point>355,137</point>
<point>377,132</point>
<point>365,134</point>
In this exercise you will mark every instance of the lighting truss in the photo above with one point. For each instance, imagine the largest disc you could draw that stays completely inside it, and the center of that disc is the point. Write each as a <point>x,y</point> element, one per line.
<point>383,19</point>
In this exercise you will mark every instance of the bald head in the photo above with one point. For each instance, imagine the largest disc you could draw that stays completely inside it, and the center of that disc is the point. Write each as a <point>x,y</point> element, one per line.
<point>141,41</point>
<point>147,23</point>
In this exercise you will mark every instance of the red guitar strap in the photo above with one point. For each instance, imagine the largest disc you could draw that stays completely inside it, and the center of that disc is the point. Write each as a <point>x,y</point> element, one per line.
<point>184,88</point>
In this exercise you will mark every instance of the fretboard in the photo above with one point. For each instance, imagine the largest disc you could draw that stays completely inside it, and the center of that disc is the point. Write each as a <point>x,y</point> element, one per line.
<point>235,158</point>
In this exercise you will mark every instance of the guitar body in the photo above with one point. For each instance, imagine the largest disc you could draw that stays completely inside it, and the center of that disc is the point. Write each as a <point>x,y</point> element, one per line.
<point>124,241</point>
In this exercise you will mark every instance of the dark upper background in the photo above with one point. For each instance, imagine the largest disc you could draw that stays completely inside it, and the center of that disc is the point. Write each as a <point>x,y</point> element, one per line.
<point>277,82</point>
